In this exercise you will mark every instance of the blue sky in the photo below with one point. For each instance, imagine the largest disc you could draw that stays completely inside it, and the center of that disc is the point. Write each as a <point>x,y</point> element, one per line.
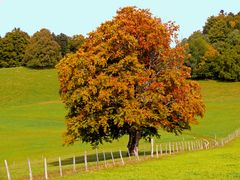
<point>80,17</point>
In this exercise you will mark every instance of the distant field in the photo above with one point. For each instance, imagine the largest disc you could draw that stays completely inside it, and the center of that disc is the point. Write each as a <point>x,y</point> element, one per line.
<point>32,116</point>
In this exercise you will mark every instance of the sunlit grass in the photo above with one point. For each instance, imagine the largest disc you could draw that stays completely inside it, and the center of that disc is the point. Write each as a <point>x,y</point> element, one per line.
<point>32,117</point>
<point>221,163</point>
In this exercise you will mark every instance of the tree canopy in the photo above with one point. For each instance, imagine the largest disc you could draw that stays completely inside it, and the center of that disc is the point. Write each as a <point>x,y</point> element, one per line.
<point>74,43</point>
<point>43,51</point>
<point>12,48</point>
<point>62,40</point>
<point>69,44</point>
<point>214,53</point>
<point>126,79</point>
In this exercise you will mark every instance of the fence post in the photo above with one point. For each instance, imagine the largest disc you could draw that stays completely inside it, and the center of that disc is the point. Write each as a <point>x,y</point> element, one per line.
<point>207,144</point>
<point>6,166</point>
<point>166,148</point>
<point>85,161</point>
<point>170,149</point>
<point>177,147</point>
<point>129,155</point>
<point>30,170</point>
<point>136,153</point>
<point>161,149</point>
<point>74,164</point>
<point>152,146</point>
<point>104,158</point>
<point>60,166</point>
<point>97,158</point>
<point>204,145</point>
<point>112,158</point>
<point>157,151</point>
<point>182,147</point>
<point>189,149</point>
<point>198,144</point>
<point>120,153</point>
<point>45,168</point>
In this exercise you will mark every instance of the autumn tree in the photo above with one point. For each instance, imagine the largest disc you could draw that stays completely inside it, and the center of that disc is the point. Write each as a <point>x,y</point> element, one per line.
<point>12,48</point>
<point>43,51</point>
<point>126,79</point>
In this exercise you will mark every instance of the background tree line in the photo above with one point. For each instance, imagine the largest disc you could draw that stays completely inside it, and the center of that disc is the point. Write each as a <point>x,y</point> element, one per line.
<point>214,53</point>
<point>42,50</point>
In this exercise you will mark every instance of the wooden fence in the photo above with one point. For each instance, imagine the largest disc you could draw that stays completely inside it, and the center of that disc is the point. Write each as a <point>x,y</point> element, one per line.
<point>89,162</point>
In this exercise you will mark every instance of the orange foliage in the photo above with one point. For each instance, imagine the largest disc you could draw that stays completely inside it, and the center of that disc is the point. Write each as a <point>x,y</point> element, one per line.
<point>127,78</point>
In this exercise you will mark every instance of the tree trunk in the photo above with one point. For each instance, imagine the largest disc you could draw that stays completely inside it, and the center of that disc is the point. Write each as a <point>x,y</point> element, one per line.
<point>134,138</point>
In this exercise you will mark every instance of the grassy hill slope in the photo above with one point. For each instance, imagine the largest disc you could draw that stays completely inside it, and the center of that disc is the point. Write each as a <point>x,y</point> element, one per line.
<point>32,115</point>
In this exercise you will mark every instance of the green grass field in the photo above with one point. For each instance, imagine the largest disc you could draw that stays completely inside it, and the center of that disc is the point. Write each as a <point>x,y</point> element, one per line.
<point>32,116</point>
<point>218,164</point>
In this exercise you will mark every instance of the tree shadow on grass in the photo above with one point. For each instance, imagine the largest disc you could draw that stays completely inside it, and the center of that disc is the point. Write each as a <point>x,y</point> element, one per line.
<point>93,158</point>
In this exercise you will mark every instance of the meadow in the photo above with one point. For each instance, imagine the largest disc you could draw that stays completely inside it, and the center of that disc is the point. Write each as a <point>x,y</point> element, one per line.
<point>32,119</point>
<point>220,164</point>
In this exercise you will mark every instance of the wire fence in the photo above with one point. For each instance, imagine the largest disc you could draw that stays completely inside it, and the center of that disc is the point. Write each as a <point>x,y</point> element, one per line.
<point>46,168</point>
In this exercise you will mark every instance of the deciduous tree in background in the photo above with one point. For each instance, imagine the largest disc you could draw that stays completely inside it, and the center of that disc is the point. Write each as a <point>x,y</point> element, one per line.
<point>201,56</point>
<point>69,44</point>
<point>74,43</point>
<point>12,48</point>
<point>62,39</point>
<point>214,53</point>
<point>126,79</point>
<point>43,51</point>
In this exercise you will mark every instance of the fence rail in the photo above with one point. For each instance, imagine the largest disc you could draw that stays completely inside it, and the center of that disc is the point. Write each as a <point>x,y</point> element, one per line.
<point>88,162</point>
